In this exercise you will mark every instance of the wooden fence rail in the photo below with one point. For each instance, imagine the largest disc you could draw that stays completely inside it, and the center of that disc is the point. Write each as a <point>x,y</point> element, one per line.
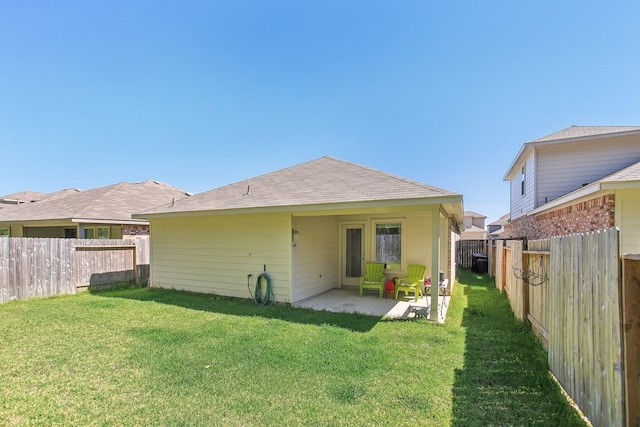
<point>570,288</point>
<point>38,267</point>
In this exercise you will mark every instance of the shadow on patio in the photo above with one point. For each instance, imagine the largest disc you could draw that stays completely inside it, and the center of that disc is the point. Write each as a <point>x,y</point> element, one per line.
<point>348,300</point>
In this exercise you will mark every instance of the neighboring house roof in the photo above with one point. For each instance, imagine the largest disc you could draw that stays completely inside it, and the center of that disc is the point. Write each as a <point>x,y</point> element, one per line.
<point>628,177</point>
<point>502,220</point>
<point>113,203</point>
<point>473,230</point>
<point>22,197</point>
<point>570,134</point>
<point>318,182</point>
<point>474,214</point>
<point>585,131</point>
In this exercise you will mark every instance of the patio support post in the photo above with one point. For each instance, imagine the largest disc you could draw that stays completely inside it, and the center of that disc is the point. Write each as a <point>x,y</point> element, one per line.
<point>435,263</point>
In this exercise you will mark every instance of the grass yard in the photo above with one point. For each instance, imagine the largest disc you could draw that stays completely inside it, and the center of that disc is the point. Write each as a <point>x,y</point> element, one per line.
<point>159,357</point>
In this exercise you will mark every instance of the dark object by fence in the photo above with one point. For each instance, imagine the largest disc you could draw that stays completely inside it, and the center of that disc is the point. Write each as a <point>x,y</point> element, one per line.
<point>479,263</point>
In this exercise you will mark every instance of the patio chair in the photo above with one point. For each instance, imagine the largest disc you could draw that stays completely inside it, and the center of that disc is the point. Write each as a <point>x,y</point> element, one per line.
<point>373,278</point>
<point>412,282</point>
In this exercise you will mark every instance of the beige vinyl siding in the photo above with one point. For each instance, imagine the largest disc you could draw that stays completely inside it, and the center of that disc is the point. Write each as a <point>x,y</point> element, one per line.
<point>315,256</point>
<point>520,204</point>
<point>627,218</point>
<point>566,167</point>
<point>214,254</point>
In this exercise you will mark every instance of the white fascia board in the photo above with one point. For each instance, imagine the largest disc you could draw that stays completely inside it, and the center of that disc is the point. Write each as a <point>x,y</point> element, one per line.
<point>111,221</point>
<point>619,185</point>
<point>567,198</point>
<point>314,208</point>
<point>522,154</point>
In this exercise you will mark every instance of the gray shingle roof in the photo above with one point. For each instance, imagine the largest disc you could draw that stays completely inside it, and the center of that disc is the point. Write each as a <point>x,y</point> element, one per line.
<point>630,173</point>
<point>113,202</point>
<point>322,181</point>
<point>22,197</point>
<point>584,131</point>
<point>474,214</point>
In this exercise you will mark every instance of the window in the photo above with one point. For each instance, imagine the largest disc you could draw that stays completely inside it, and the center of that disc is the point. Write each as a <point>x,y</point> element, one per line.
<point>70,233</point>
<point>389,244</point>
<point>103,232</point>
<point>522,181</point>
<point>89,233</point>
<point>5,232</point>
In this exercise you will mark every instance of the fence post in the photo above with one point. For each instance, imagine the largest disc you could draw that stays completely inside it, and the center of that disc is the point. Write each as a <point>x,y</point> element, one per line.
<point>631,336</point>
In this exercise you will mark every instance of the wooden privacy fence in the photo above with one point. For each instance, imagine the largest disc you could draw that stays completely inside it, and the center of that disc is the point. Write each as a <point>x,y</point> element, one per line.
<point>39,267</point>
<point>465,250</point>
<point>571,290</point>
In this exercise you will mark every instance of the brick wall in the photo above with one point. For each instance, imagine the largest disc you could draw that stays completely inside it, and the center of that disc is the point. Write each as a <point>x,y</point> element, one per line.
<point>594,214</point>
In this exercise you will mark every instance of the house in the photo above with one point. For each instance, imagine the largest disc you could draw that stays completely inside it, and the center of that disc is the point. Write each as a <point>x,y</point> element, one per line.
<point>496,228</point>
<point>473,226</point>
<point>103,212</point>
<point>580,179</point>
<point>311,227</point>
<point>21,197</point>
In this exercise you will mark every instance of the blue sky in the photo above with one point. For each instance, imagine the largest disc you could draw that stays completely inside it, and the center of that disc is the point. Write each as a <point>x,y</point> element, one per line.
<point>202,94</point>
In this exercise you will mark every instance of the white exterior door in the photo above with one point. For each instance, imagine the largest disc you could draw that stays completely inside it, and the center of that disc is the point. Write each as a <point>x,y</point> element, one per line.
<point>351,253</point>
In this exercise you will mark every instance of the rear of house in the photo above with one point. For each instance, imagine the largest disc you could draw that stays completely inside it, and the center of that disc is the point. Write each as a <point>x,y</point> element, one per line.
<point>312,227</point>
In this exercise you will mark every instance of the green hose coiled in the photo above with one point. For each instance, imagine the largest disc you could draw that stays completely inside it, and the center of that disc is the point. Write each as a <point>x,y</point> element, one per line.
<point>268,297</point>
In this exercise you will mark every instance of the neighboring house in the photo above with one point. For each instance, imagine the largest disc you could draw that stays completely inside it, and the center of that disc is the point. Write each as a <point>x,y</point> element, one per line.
<point>496,228</point>
<point>473,226</point>
<point>20,198</point>
<point>312,226</point>
<point>103,212</point>
<point>580,179</point>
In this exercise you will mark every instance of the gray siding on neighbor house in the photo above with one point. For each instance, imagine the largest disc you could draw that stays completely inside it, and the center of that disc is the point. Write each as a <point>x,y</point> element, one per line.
<point>566,167</point>
<point>521,204</point>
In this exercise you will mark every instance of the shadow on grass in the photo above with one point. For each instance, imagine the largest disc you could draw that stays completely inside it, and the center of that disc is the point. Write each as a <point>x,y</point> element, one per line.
<point>243,307</point>
<point>505,378</point>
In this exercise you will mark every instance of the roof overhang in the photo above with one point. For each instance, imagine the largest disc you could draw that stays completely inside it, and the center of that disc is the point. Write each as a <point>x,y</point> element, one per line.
<point>62,221</point>
<point>451,204</point>
<point>111,221</point>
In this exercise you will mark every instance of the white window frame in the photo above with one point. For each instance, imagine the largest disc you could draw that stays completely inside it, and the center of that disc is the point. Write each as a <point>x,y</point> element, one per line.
<point>403,240</point>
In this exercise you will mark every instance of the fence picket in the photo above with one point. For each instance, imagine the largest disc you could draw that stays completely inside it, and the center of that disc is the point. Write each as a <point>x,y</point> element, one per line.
<point>37,267</point>
<point>580,312</point>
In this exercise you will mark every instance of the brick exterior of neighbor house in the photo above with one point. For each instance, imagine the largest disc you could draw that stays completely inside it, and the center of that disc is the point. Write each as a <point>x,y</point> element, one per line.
<point>591,215</point>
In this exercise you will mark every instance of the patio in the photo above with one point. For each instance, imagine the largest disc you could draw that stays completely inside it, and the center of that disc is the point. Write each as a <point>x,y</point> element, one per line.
<point>349,300</point>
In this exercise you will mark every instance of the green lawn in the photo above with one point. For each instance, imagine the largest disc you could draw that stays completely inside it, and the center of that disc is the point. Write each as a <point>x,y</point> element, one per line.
<point>159,357</point>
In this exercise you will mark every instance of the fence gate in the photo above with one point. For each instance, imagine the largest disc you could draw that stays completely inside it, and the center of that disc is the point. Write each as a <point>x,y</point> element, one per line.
<point>465,250</point>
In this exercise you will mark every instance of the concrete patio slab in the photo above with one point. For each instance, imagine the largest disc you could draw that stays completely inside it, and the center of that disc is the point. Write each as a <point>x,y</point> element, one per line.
<point>346,300</point>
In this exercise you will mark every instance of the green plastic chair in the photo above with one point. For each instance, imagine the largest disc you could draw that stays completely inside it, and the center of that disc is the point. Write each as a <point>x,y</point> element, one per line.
<point>412,282</point>
<point>373,277</point>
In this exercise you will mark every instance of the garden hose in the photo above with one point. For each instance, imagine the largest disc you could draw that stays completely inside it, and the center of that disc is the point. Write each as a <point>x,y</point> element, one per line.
<point>268,297</point>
